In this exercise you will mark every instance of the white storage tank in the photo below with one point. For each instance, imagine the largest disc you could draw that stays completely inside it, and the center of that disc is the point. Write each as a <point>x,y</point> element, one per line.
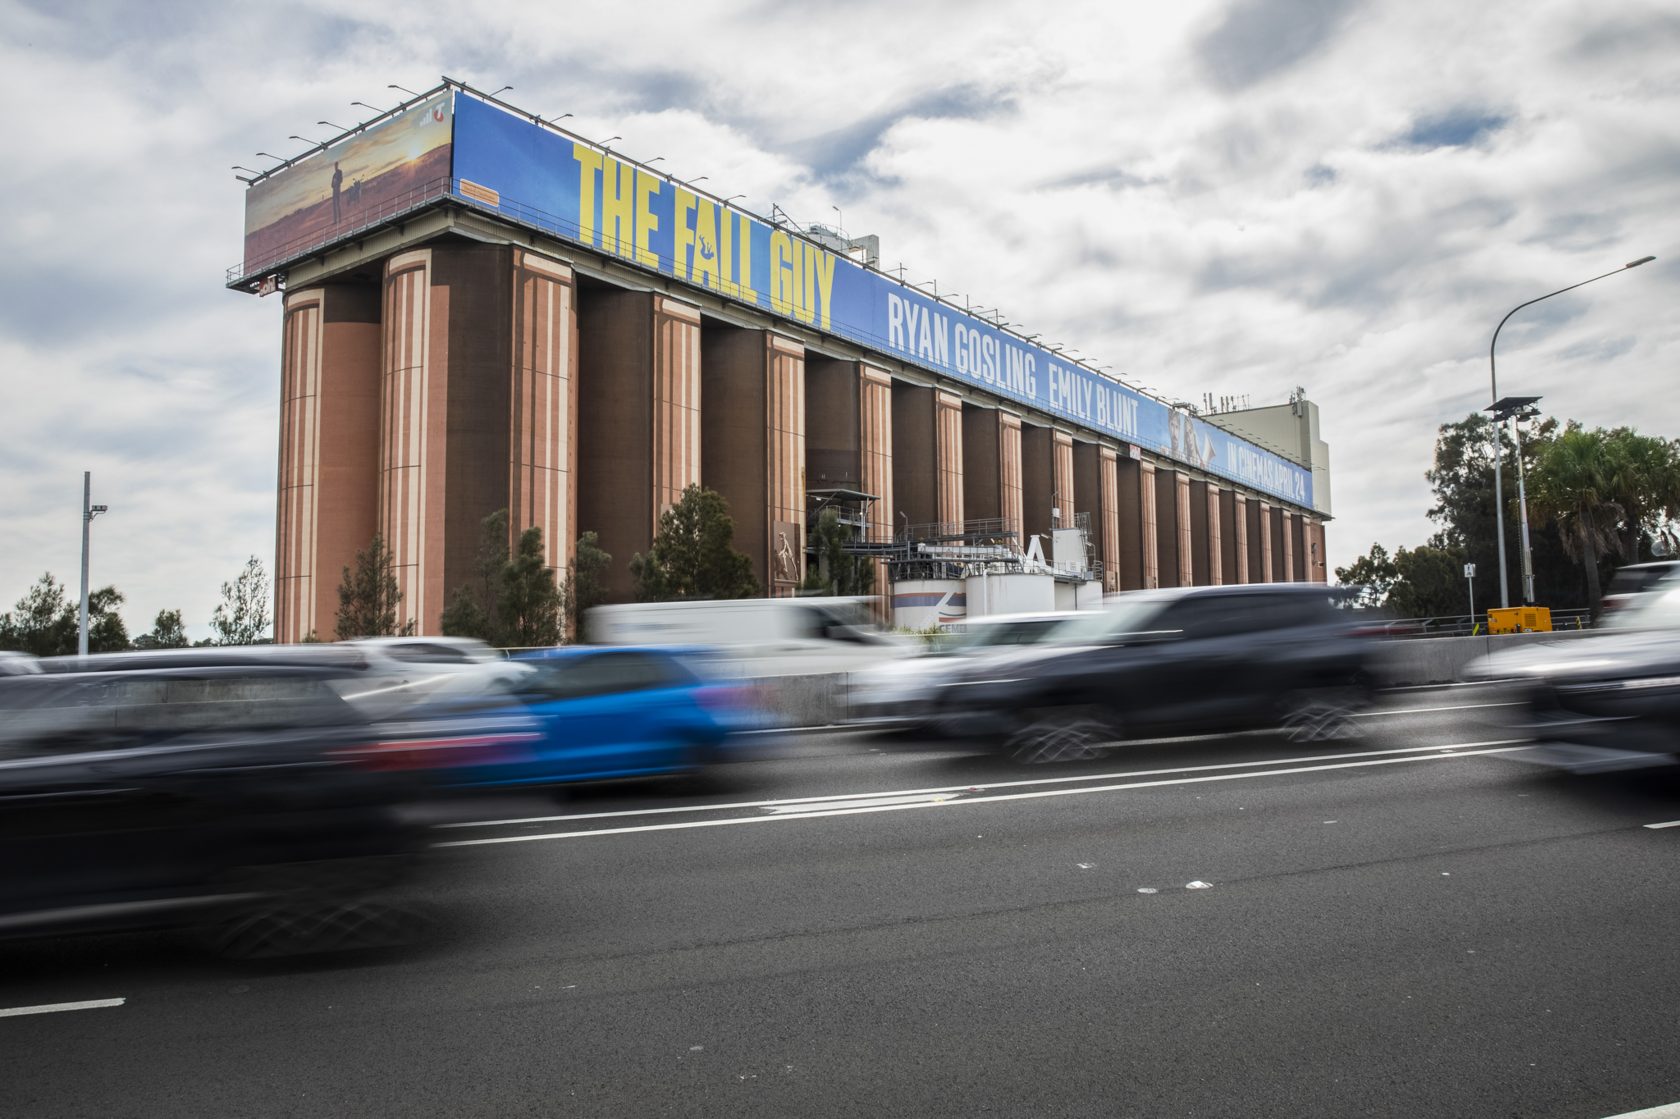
<point>922,604</point>
<point>1079,596</point>
<point>1014,593</point>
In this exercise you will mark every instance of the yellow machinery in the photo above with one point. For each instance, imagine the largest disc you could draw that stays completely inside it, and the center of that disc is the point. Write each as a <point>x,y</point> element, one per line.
<point>1520,619</point>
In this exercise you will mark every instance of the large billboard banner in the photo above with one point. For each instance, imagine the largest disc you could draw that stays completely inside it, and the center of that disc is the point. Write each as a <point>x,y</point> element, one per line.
<point>368,176</point>
<point>540,178</point>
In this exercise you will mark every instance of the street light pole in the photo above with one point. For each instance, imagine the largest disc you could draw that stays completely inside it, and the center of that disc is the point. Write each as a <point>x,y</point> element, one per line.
<point>89,511</point>
<point>1522,504</point>
<point>1498,450</point>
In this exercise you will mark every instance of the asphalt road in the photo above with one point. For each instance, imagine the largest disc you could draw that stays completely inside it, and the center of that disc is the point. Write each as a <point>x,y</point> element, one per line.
<point>1415,924</point>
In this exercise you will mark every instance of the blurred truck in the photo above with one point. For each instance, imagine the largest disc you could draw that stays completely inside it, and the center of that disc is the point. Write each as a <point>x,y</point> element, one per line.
<point>758,637</point>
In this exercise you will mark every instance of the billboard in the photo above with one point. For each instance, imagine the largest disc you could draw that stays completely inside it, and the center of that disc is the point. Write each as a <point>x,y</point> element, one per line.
<point>543,179</point>
<point>372,175</point>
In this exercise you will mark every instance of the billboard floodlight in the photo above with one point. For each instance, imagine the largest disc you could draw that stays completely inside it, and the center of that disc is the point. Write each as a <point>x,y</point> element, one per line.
<point>394,85</point>
<point>504,89</point>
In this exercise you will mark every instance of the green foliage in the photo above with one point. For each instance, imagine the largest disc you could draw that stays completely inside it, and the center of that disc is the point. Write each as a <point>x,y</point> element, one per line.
<point>1429,583</point>
<point>836,572</point>
<point>1642,475</point>
<point>586,586</point>
<point>693,556</point>
<point>512,601</point>
<point>1575,484</point>
<point>369,598</point>
<point>46,619</point>
<point>168,632</point>
<point>242,618</point>
<point>1373,573</point>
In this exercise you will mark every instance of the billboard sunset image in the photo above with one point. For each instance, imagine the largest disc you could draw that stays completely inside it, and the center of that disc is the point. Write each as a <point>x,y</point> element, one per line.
<point>374,173</point>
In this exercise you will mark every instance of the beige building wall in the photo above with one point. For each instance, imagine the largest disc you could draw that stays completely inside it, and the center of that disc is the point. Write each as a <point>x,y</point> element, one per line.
<point>1135,536</point>
<point>1095,486</point>
<point>949,413</point>
<point>875,437</point>
<point>543,420</point>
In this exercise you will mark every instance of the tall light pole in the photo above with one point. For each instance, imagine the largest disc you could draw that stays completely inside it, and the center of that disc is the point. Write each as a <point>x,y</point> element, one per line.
<point>89,511</point>
<point>1498,451</point>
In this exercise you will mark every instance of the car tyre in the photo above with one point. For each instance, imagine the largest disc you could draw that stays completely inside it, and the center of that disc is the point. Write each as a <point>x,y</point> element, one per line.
<point>1322,715</point>
<point>1058,735</point>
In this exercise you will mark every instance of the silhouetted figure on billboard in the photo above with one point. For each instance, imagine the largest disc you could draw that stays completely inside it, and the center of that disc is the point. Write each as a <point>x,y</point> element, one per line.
<point>338,182</point>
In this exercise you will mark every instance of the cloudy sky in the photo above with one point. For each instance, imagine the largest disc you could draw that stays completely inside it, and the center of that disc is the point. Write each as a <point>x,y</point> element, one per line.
<point>1210,197</point>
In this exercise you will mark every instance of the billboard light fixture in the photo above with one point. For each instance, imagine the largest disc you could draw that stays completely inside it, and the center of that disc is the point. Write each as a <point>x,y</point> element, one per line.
<point>394,85</point>
<point>732,198</point>
<point>275,158</point>
<point>307,140</point>
<point>365,105</point>
<point>504,89</point>
<point>330,124</point>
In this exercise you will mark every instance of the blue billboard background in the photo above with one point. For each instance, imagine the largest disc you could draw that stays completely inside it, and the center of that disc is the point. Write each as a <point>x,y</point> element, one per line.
<point>540,178</point>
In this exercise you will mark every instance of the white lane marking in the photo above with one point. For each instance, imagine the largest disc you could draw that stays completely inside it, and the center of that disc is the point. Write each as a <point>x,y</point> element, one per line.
<point>958,803</point>
<point>56,1007</point>
<point>864,802</point>
<point>836,797</point>
<point>1668,824</point>
<point>1666,1111</point>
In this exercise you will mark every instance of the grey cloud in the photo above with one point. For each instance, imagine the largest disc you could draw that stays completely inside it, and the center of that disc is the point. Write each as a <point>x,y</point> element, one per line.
<point>1261,38</point>
<point>1659,31</point>
<point>1319,175</point>
<point>1114,178</point>
<point>1578,231</point>
<point>841,152</point>
<point>1598,349</point>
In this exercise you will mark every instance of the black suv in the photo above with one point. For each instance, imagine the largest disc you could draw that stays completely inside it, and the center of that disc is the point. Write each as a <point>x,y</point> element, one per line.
<point>1172,662</point>
<point>236,792</point>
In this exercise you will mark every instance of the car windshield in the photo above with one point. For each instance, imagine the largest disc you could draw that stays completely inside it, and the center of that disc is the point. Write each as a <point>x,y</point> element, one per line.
<point>1656,610</point>
<point>1137,615</point>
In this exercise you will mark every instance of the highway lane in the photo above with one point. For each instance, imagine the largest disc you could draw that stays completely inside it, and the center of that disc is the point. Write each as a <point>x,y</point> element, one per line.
<point>1453,933</point>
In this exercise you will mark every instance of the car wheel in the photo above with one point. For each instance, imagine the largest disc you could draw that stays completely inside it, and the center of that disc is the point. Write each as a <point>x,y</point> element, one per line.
<point>1061,734</point>
<point>1322,715</point>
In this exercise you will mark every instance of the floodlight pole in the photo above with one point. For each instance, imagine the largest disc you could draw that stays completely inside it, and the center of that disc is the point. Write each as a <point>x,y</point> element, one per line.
<point>1522,504</point>
<point>1498,449</point>
<point>89,511</point>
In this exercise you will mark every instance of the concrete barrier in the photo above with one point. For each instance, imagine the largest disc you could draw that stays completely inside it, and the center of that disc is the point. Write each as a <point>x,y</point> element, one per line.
<point>1442,660</point>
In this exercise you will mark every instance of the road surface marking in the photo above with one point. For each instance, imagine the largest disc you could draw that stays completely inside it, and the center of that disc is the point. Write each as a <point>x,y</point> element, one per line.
<point>1435,710</point>
<point>821,801</point>
<point>1669,824</point>
<point>866,802</point>
<point>56,1007</point>
<point>1666,1111</point>
<point>822,811</point>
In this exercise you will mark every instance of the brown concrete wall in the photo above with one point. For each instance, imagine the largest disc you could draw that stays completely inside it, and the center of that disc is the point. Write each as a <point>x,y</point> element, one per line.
<point>1038,482</point>
<point>1319,571</point>
<point>615,441</point>
<point>1271,544</point>
<point>875,436</point>
<point>1149,490</point>
<point>329,451</point>
<point>1186,545</point>
<point>1170,559</point>
<point>1232,533</point>
<point>915,445</point>
<point>1259,543</point>
<point>982,463</point>
<point>543,417</point>
<point>784,560</point>
<point>1130,488</point>
<point>677,440</point>
<point>1201,535</point>
<point>1295,546</point>
<point>1094,485</point>
<point>1284,535</point>
<point>1062,480</point>
<point>949,463</point>
<point>833,424</point>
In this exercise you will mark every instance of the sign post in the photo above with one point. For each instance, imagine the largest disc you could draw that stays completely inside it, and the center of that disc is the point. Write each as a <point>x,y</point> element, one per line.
<point>1470,582</point>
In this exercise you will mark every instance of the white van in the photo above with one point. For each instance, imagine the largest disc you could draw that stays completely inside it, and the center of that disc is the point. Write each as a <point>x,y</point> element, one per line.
<point>757,636</point>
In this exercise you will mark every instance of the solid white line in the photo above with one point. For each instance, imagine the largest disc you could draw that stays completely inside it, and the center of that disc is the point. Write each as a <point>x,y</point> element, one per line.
<point>1666,1111</point>
<point>984,786</point>
<point>1433,710</point>
<point>1669,824</point>
<point>1035,794</point>
<point>55,1007</point>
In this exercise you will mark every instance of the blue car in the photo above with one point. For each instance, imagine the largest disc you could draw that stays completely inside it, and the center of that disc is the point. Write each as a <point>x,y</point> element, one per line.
<point>607,712</point>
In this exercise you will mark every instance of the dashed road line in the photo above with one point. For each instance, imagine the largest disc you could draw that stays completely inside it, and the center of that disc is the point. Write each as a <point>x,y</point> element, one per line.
<point>58,1007</point>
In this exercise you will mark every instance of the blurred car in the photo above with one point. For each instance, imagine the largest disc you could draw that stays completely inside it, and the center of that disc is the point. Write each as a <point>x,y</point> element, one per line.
<point>899,695</point>
<point>237,793</point>
<point>1173,662</point>
<point>399,672</point>
<point>17,664</point>
<point>1634,580</point>
<point>605,712</point>
<point>1607,700</point>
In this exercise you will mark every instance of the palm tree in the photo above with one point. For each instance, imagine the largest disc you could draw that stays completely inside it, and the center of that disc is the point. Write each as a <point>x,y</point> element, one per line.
<point>1644,480</point>
<point>1574,483</point>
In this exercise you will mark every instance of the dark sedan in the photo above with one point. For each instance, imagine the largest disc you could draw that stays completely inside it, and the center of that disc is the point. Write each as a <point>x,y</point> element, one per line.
<point>1173,662</point>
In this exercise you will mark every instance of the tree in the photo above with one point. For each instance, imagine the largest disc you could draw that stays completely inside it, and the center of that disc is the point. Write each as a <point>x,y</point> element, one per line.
<point>106,631</point>
<point>1429,583</point>
<point>586,583</point>
<point>168,632</point>
<point>1574,483</point>
<point>1643,477</point>
<point>837,572</point>
<point>693,554</point>
<point>1373,573</point>
<point>512,601</point>
<point>43,622</point>
<point>530,605</point>
<point>241,618</point>
<point>472,610</point>
<point>368,596</point>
